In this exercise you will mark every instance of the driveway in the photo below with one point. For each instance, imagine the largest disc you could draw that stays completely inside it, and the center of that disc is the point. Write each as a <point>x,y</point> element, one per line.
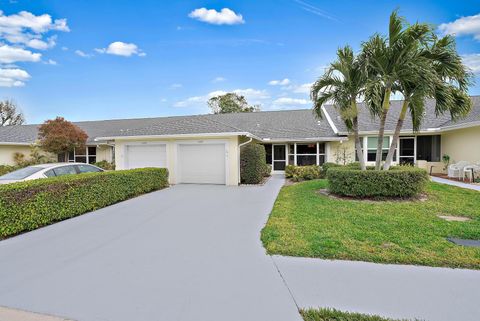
<point>189,252</point>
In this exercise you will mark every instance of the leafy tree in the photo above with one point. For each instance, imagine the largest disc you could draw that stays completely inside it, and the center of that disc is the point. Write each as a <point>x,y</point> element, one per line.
<point>230,103</point>
<point>60,136</point>
<point>10,114</point>
<point>343,84</point>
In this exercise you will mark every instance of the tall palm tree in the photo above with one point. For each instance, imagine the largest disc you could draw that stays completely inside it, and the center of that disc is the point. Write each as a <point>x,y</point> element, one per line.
<point>342,84</point>
<point>387,59</point>
<point>435,71</point>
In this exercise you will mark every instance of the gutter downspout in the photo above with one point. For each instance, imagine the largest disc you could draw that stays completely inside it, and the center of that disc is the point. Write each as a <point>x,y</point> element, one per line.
<point>239,147</point>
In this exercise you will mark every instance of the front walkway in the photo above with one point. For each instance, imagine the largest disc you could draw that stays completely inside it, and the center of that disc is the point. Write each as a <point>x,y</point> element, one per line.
<point>396,291</point>
<point>455,183</point>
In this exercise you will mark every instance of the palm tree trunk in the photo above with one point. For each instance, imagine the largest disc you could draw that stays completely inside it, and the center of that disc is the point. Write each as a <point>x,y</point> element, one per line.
<point>396,135</point>
<point>358,144</point>
<point>381,131</point>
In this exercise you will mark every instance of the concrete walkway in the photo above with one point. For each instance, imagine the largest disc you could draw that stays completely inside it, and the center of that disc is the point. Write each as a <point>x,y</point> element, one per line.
<point>189,252</point>
<point>455,183</point>
<point>396,291</point>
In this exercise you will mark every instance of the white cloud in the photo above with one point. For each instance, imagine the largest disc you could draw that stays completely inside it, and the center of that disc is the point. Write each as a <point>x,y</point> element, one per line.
<point>83,54</point>
<point>120,48</point>
<point>472,61</point>
<point>218,79</point>
<point>469,25</point>
<point>282,82</point>
<point>176,86</point>
<point>9,54</point>
<point>50,62</point>
<point>13,77</point>
<point>302,89</point>
<point>28,29</point>
<point>254,96</point>
<point>287,101</point>
<point>225,16</point>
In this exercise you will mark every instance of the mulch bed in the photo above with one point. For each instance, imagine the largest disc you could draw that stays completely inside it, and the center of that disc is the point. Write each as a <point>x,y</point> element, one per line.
<point>420,198</point>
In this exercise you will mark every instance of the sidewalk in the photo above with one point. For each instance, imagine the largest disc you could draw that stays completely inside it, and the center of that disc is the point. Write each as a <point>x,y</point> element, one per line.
<point>455,183</point>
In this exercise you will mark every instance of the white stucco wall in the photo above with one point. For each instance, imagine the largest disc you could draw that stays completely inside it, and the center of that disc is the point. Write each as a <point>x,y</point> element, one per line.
<point>104,153</point>
<point>232,161</point>
<point>462,144</point>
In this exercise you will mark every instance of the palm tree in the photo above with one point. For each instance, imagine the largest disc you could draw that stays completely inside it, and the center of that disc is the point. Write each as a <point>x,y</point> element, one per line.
<point>342,84</point>
<point>435,71</point>
<point>387,59</point>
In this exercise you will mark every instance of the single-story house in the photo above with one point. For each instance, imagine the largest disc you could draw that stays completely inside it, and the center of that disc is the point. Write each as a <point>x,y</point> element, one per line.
<point>206,148</point>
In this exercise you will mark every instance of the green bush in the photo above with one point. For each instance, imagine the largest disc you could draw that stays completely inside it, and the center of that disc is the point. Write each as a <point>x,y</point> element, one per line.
<point>252,163</point>
<point>267,171</point>
<point>105,165</point>
<point>399,181</point>
<point>28,205</point>
<point>326,166</point>
<point>303,173</point>
<point>4,169</point>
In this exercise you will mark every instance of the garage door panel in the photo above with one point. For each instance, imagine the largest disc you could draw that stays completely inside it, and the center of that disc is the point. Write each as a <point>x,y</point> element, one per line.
<point>201,163</point>
<point>140,156</point>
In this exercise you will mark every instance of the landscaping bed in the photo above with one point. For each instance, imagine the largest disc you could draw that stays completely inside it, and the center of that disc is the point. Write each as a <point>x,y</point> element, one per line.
<point>306,223</point>
<point>335,315</point>
<point>26,206</point>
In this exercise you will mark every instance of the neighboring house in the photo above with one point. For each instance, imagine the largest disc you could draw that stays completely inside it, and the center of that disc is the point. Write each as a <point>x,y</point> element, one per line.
<point>206,148</point>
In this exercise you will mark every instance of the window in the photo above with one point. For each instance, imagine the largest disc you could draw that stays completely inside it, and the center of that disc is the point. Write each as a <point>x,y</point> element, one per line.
<point>87,155</point>
<point>428,148</point>
<point>50,173</point>
<point>372,148</point>
<point>21,173</point>
<point>88,169</point>
<point>306,154</point>
<point>268,153</point>
<point>65,170</point>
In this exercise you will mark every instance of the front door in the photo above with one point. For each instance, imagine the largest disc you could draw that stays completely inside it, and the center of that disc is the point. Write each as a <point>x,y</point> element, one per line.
<point>407,150</point>
<point>279,160</point>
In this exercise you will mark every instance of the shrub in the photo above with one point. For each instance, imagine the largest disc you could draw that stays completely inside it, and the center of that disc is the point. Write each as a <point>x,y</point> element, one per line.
<point>105,165</point>
<point>252,163</point>
<point>28,205</point>
<point>399,181</point>
<point>325,168</point>
<point>268,170</point>
<point>303,173</point>
<point>4,169</point>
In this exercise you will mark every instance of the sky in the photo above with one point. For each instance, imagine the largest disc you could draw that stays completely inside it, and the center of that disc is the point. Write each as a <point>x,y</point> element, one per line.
<point>110,59</point>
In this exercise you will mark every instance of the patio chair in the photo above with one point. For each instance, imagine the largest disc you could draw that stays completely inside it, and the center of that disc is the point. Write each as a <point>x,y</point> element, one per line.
<point>471,171</point>
<point>456,170</point>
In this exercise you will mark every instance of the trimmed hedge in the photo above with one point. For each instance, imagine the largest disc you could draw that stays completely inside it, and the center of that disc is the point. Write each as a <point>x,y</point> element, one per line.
<point>4,169</point>
<point>28,205</point>
<point>399,181</point>
<point>303,173</point>
<point>253,164</point>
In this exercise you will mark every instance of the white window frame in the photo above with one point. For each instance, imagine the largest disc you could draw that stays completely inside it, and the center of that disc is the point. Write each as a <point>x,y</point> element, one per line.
<point>86,155</point>
<point>366,149</point>
<point>414,148</point>
<point>317,154</point>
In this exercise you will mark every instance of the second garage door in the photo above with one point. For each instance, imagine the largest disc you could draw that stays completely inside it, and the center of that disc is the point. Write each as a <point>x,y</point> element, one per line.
<point>201,163</point>
<point>139,156</point>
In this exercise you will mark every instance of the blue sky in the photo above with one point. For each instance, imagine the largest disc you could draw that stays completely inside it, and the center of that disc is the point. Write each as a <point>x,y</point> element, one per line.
<point>127,59</point>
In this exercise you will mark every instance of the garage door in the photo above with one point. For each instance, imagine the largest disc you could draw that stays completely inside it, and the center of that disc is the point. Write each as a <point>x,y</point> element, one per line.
<point>201,163</point>
<point>139,156</point>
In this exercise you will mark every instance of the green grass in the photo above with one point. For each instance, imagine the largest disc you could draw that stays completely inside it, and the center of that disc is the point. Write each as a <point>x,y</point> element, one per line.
<point>335,315</point>
<point>305,223</point>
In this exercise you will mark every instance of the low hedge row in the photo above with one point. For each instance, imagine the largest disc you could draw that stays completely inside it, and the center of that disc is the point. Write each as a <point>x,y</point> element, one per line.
<point>32,204</point>
<point>4,169</point>
<point>303,173</point>
<point>400,181</point>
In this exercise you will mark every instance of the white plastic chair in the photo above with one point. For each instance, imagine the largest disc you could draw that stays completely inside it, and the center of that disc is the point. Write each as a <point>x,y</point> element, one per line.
<point>470,171</point>
<point>456,170</point>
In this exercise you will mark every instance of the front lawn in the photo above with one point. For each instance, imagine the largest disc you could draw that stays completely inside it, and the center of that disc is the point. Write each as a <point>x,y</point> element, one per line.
<point>335,315</point>
<point>306,223</point>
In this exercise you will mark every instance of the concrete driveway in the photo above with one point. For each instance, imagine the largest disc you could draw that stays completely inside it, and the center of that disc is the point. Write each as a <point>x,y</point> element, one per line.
<point>190,252</point>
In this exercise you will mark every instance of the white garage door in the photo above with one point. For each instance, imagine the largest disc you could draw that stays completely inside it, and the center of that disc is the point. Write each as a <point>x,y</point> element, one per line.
<point>201,163</point>
<point>139,156</point>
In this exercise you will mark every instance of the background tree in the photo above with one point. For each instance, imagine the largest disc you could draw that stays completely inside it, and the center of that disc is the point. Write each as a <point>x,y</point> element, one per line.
<point>230,103</point>
<point>10,114</point>
<point>60,136</point>
<point>342,84</point>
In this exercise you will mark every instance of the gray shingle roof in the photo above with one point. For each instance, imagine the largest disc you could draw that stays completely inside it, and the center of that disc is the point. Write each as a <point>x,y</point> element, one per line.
<point>276,125</point>
<point>294,124</point>
<point>367,124</point>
